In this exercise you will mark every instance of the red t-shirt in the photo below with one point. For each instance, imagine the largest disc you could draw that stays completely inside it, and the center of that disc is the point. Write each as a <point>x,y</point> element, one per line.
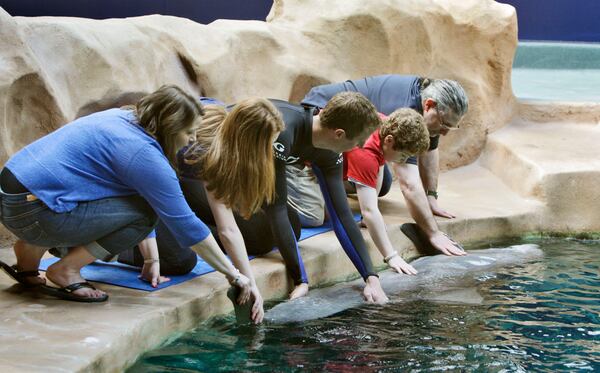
<point>361,165</point>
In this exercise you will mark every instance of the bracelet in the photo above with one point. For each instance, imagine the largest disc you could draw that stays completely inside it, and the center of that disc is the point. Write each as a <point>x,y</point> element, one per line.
<point>432,193</point>
<point>151,261</point>
<point>387,258</point>
<point>236,280</point>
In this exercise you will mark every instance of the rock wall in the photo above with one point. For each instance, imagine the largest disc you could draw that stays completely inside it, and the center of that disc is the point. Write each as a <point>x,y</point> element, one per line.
<point>53,70</point>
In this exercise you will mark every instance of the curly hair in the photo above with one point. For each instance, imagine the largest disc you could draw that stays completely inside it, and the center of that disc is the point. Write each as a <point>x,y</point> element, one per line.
<point>408,131</point>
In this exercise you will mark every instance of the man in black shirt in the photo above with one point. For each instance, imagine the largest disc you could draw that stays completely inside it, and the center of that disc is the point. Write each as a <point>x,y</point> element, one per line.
<point>320,137</point>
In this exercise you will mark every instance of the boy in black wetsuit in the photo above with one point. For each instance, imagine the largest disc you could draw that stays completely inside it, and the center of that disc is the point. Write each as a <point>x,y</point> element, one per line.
<point>320,137</point>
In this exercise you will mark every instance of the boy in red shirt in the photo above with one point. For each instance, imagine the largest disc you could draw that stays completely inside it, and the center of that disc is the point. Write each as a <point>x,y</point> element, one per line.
<point>403,134</point>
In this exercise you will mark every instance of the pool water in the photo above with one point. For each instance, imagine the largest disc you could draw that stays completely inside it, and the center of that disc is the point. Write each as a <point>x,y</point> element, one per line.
<point>554,71</point>
<point>541,316</point>
<point>557,85</point>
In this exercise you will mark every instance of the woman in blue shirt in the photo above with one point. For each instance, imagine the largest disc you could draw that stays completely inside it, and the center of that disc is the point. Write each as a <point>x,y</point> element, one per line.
<point>97,186</point>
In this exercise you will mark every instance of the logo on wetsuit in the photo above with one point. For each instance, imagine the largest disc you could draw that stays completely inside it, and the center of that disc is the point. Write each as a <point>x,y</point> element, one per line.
<point>279,150</point>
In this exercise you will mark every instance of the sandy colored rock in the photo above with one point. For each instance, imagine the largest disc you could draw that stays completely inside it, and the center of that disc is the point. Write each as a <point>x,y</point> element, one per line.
<point>63,68</point>
<point>472,42</point>
<point>28,108</point>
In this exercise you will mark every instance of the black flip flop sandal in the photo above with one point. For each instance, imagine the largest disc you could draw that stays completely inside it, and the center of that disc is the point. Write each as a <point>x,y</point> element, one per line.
<point>420,240</point>
<point>66,292</point>
<point>20,276</point>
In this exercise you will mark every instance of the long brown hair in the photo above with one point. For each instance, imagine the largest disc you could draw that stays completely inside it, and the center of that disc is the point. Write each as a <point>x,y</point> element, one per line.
<point>165,113</point>
<point>236,153</point>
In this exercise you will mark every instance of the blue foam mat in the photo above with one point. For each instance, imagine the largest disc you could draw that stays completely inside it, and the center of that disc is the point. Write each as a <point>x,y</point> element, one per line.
<point>119,274</point>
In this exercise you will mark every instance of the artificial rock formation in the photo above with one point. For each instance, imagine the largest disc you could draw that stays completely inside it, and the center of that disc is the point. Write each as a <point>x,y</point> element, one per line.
<point>56,69</point>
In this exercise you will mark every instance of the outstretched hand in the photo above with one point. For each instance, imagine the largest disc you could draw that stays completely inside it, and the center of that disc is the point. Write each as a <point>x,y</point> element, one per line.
<point>446,245</point>
<point>373,292</point>
<point>151,274</point>
<point>437,210</point>
<point>399,265</point>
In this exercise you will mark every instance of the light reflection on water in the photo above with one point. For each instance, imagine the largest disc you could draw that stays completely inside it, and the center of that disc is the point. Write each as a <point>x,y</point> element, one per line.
<point>541,316</point>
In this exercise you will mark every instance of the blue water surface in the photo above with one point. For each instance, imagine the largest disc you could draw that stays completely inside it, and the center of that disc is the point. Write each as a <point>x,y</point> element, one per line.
<point>542,316</point>
<point>563,72</point>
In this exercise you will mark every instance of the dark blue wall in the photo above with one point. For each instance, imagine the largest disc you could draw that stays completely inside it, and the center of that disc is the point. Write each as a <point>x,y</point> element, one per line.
<point>568,20</point>
<point>203,11</point>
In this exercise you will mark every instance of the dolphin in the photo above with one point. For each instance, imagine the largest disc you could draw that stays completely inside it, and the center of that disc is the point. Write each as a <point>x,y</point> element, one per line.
<point>440,278</point>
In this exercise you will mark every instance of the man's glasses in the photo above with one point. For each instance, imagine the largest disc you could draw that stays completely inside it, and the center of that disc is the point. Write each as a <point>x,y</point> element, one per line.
<point>445,124</point>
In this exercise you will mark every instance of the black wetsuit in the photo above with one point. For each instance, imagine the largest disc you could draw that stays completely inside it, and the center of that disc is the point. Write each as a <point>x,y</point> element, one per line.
<point>294,145</point>
<point>386,92</point>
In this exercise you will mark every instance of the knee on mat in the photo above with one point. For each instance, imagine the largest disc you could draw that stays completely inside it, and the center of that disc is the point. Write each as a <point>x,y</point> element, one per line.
<point>183,267</point>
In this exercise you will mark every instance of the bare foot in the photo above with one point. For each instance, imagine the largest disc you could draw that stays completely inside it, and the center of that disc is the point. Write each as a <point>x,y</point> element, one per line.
<point>28,259</point>
<point>62,276</point>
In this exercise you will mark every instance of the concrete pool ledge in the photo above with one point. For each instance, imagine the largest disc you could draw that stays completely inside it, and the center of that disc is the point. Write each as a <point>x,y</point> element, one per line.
<point>555,163</point>
<point>543,111</point>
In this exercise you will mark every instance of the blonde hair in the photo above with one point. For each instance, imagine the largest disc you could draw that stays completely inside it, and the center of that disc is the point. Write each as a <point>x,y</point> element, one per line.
<point>236,153</point>
<point>164,114</point>
<point>408,131</point>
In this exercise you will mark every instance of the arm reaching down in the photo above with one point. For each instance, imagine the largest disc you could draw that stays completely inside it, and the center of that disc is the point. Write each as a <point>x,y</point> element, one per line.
<point>346,230</point>
<point>429,171</point>
<point>233,242</point>
<point>283,233</point>
<point>151,269</point>
<point>210,251</point>
<point>367,198</point>
<point>414,194</point>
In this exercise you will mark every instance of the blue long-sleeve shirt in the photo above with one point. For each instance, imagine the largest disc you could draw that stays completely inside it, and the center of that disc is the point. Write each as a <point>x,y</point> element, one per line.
<point>103,155</point>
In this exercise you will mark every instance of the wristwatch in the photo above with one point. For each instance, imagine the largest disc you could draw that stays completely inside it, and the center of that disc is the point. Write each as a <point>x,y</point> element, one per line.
<point>432,193</point>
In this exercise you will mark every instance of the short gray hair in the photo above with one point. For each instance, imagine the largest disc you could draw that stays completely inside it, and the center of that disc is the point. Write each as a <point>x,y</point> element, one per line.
<point>448,94</point>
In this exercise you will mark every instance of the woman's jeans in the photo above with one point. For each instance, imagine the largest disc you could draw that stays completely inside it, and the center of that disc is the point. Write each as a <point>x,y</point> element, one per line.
<point>105,227</point>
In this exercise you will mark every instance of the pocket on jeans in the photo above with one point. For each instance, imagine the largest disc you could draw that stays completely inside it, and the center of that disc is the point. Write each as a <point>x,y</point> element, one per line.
<point>32,233</point>
<point>23,210</point>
